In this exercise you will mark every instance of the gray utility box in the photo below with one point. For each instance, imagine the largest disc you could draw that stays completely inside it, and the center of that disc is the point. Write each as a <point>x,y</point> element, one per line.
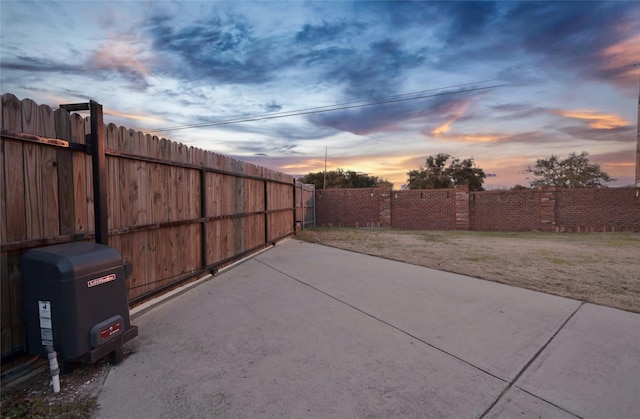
<point>74,298</point>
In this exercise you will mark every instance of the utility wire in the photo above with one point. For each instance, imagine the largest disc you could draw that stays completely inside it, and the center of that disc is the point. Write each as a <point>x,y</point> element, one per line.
<point>339,106</point>
<point>335,107</point>
<point>378,99</point>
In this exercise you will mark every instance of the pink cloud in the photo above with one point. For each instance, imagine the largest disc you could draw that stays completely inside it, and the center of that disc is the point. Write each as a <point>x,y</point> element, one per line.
<point>120,56</point>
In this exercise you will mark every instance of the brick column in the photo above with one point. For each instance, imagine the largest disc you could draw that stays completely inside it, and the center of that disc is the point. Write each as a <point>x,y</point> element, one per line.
<point>548,211</point>
<point>463,221</point>
<point>385,206</point>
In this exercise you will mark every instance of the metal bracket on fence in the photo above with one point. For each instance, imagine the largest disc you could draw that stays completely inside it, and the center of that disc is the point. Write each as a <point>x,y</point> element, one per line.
<point>95,147</point>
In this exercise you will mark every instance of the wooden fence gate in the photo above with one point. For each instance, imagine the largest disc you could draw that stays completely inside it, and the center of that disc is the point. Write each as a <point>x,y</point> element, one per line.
<point>305,206</point>
<point>174,212</point>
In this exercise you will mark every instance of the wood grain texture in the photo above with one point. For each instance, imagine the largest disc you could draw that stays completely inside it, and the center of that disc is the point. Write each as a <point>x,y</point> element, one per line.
<point>80,176</point>
<point>3,197</point>
<point>49,173</point>
<point>16,211</point>
<point>65,174</point>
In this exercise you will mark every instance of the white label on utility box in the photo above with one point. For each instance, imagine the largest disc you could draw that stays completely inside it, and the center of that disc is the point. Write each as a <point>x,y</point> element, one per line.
<point>44,308</point>
<point>47,336</point>
<point>101,280</point>
<point>46,326</point>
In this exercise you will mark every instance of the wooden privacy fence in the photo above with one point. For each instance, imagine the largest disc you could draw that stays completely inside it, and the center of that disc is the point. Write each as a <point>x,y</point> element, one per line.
<point>174,212</point>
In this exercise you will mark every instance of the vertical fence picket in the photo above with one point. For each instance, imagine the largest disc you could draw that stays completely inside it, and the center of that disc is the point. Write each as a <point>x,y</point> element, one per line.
<point>113,173</point>
<point>49,156</point>
<point>3,198</point>
<point>66,207</point>
<point>143,180</point>
<point>5,290</point>
<point>33,190</point>
<point>32,172</point>
<point>14,191</point>
<point>14,221</point>
<point>142,241</point>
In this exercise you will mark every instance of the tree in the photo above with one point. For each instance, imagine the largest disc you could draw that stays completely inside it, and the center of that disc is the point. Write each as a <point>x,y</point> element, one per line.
<point>465,172</point>
<point>343,179</point>
<point>573,172</point>
<point>437,175</point>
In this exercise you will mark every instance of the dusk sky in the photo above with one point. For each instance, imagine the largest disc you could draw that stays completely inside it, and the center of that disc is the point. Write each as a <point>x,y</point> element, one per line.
<point>503,82</point>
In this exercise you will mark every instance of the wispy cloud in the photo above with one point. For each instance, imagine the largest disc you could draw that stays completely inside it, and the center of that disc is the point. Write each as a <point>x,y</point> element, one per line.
<point>134,117</point>
<point>331,32</point>
<point>213,47</point>
<point>120,56</point>
<point>618,60</point>
<point>457,114</point>
<point>594,119</point>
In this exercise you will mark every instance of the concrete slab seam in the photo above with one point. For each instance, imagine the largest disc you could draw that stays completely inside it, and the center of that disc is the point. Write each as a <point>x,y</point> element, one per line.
<point>528,364</point>
<point>548,402</point>
<point>385,323</point>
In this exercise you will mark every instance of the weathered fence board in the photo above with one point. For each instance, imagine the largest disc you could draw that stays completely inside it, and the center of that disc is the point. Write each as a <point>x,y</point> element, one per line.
<point>33,190</point>
<point>16,227</point>
<point>50,200</point>
<point>64,159</point>
<point>16,220</point>
<point>174,212</point>
<point>3,201</point>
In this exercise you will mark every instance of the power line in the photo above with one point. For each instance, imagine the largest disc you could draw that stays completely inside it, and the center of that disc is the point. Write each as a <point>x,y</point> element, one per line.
<point>339,106</point>
<point>335,107</point>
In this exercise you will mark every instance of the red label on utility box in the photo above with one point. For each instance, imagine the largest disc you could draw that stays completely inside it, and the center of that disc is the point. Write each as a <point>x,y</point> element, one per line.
<point>110,331</point>
<point>101,280</point>
<point>106,330</point>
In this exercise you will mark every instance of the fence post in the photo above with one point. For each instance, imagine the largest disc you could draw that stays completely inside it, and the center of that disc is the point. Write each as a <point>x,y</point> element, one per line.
<point>302,209</point>
<point>99,167</point>
<point>463,221</point>
<point>548,211</point>
<point>384,206</point>
<point>295,208</point>
<point>203,215</point>
<point>266,211</point>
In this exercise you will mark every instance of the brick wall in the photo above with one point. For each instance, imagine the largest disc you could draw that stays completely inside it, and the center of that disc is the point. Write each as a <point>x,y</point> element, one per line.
<point>605,209</point>
<point>598,209</point>
<point>505,210</point>
<point>351,207</point>
<point>429,209</point>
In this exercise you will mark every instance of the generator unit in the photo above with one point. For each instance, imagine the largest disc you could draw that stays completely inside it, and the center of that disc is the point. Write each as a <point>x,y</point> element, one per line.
<point>74,299</point>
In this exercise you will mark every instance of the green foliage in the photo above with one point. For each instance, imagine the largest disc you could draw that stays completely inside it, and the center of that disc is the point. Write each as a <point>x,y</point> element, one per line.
<point>437,175</point>
<point>343,179</point>
<point>573,172</point>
